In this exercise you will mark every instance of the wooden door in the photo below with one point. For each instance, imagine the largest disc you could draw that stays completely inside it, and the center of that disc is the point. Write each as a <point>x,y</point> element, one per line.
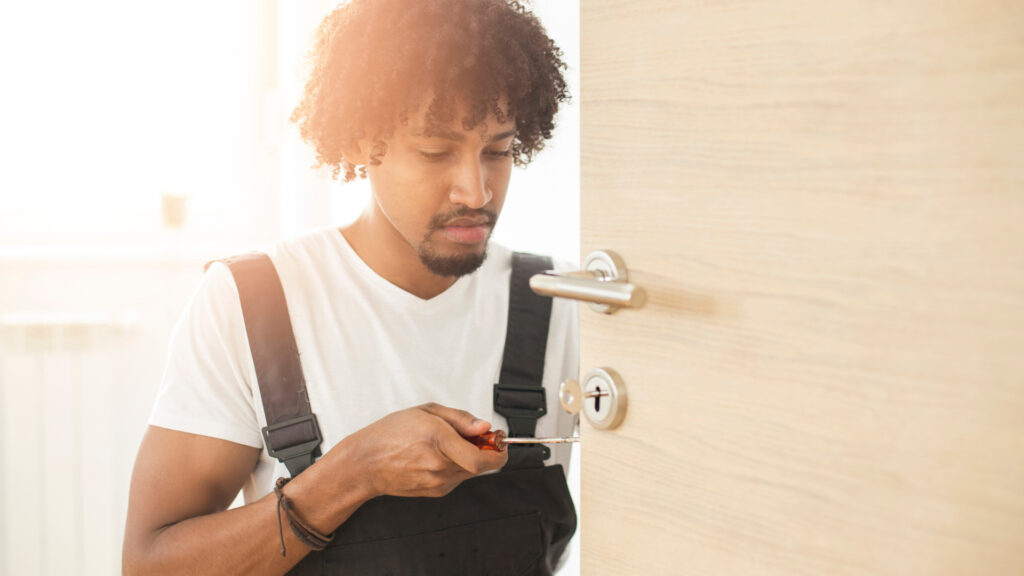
<point>825,204</point>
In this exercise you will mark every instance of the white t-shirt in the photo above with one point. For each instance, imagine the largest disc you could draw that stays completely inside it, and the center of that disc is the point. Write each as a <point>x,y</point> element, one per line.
<point>367,348</point>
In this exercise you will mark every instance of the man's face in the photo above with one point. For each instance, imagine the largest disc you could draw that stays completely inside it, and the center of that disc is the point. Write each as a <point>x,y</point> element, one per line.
<point>441,191</point>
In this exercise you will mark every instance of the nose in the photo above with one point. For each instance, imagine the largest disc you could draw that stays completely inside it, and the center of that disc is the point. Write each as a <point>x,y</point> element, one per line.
<point>470,186</point>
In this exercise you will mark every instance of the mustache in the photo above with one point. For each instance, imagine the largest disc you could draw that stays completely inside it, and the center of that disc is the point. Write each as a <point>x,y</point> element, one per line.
<point>439,220</point>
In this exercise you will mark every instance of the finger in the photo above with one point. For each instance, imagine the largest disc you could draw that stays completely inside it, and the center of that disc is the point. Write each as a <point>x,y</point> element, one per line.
<point>467,456</point>
<point>463,422</point>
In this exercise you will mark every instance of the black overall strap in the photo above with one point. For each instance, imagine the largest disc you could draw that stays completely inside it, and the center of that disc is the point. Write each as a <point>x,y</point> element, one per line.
<point>292,434</point>
<point>519,394</point>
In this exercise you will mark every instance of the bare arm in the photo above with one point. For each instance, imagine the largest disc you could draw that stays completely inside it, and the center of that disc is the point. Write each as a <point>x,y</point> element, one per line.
<point>177,517</point>
<point>183,483</point>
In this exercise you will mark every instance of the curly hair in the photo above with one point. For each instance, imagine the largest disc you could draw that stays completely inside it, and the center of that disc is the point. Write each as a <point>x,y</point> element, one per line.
<point>374,60</point>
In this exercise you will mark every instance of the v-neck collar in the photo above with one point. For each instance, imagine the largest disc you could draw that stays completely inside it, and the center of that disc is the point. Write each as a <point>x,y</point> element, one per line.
<point>392,291</point>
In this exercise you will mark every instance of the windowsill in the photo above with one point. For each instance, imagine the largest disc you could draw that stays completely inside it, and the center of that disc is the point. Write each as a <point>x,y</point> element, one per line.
<point>123,253</point>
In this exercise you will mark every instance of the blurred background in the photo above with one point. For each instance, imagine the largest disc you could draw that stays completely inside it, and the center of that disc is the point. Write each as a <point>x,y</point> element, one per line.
<point>140,140</point>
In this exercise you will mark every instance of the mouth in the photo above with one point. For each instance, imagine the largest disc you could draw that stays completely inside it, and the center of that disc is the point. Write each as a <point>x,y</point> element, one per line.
<point>468,229</point>
<point>467,233</point>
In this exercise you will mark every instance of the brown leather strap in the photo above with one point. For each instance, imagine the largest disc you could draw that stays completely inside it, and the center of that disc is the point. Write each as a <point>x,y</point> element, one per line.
<point>292,434</point>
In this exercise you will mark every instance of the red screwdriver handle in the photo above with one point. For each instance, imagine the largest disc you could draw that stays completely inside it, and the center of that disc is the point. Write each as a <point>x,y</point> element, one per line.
<point>493,441</point>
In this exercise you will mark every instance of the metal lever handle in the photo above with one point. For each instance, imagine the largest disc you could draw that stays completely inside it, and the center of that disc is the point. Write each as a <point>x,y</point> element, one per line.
<point>603,283</point>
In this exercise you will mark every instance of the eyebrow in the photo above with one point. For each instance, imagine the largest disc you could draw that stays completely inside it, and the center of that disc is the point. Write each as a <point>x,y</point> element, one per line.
<point>458,137</point>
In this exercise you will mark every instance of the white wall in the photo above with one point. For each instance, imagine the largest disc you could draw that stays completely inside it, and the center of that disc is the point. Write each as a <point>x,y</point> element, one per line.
<point>82,345</point>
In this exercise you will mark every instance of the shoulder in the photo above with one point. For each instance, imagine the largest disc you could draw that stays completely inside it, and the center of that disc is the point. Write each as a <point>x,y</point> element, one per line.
<point>500,262</point>
<point>287,253</point>
<point>563,312</point>
<point>500,259</point>
<point>296,260</point>
<point>309,250</point>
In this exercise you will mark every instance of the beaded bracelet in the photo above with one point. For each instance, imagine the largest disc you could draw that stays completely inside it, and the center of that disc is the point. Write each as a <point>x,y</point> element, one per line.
<point>306,534</point>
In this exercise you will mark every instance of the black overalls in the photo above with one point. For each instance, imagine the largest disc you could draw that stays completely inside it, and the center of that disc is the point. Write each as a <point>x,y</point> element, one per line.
<point>517,521</point>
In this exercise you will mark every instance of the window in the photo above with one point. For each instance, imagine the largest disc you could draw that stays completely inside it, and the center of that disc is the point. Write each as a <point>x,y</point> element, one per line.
<point>110,104</point>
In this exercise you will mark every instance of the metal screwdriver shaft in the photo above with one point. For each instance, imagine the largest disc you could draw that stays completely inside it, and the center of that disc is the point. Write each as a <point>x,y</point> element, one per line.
<point>496,440</point>
<point>565,440</point>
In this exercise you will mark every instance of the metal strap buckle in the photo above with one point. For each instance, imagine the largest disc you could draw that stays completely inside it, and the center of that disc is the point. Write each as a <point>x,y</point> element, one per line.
<point>540,405</point>
<point>289,452</point>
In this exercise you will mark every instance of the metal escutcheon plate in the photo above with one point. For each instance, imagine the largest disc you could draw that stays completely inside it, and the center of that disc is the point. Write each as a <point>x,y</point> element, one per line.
<point>610,265</point>
<point>604,398</point>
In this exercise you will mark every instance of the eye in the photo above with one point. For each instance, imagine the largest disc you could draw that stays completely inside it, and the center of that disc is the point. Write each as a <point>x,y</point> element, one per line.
<point>434,156</point>
<point>499,153</point>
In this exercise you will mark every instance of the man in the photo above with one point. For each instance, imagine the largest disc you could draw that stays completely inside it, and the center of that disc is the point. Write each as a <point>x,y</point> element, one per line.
<point>399,321</point>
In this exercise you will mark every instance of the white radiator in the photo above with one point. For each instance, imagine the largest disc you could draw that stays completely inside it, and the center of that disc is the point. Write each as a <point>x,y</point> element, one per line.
<point>63,489</point>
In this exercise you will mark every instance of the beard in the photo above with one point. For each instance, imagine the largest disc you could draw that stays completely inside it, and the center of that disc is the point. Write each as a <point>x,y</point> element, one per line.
<point>452,265</point>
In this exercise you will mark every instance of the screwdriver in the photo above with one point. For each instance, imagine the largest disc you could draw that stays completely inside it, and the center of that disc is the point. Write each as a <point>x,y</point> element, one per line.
<point>497,440</point>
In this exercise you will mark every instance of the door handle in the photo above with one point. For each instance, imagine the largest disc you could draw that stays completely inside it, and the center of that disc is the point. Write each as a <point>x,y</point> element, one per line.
<point>603,282</point>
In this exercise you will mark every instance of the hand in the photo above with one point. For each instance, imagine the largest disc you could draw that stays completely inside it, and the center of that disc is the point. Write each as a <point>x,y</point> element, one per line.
<point>422,451</point>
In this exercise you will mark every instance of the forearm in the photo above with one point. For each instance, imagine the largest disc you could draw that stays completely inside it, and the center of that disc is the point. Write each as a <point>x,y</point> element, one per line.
<point>244,540</point>
<point>247,540</point>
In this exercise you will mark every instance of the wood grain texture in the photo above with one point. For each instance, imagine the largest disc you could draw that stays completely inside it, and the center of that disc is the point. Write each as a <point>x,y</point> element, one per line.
<point>824,203</point>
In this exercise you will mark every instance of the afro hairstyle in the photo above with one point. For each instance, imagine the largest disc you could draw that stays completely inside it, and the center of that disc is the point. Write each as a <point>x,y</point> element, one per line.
<point>373,60</point>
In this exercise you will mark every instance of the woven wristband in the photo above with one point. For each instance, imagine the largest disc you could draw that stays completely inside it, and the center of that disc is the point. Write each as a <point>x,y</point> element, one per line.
<point>306,534</point>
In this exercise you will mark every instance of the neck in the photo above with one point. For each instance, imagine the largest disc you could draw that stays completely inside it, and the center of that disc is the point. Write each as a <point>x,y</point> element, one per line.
<point>383,249</point>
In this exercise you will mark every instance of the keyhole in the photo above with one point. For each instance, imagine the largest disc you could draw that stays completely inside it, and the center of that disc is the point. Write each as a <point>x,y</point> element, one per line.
<point>604,412</point>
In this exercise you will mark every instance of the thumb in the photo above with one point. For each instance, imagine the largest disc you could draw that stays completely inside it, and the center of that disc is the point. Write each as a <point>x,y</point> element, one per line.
<point>463,422</point>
